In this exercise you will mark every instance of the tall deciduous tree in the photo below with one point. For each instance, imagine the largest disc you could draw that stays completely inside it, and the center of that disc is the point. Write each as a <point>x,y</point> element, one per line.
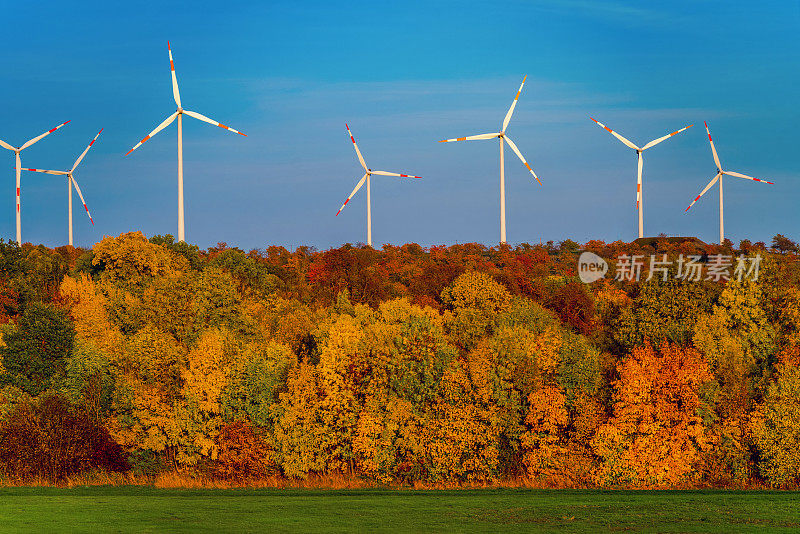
<point>656,435</point>
<point>36,351</point>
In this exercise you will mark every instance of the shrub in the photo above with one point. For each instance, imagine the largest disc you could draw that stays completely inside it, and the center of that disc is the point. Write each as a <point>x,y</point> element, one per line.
<point>243,453</point>
<point>53,439</point>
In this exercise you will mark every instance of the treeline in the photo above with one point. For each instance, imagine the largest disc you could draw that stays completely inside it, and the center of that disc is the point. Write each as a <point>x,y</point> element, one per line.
<point>401,365</point>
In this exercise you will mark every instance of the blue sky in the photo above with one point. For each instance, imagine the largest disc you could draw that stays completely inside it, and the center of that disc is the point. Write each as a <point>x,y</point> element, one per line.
<point>403,75</point>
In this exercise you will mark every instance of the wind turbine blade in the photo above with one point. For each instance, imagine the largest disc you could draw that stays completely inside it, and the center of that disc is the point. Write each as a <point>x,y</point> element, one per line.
<point>713,148</point>
<point>78,189</point>
<point>654,142</point>
<point>384,173</point>
<point>618,136</point>
<point>513,105</point>
<point>703,192</point>
<point>57,173</point>
<point>358,152</point>
<point>211,121</point>
<point>473,137</point>
<point>158,128</point>
<point>80,158</point>
<point>358,186</point>
<point>739,175</point>
<point>35,139</point>
<point>6,145</point>
<point>175,92</point>
<point>639,179</point>
<point>519,155</point>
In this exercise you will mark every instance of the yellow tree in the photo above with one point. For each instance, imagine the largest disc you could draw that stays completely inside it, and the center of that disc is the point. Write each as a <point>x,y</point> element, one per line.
<point>474,302</point>
<point>319,412</point>
<point>406,355</point>
<point>461,435</point>
<point>199,412</point>
<point>738,340</point>
<point>148,388</point>
<point>776,424</point>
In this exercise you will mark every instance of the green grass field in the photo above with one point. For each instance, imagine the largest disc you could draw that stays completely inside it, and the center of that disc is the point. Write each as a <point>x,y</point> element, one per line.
<point>145,509</point>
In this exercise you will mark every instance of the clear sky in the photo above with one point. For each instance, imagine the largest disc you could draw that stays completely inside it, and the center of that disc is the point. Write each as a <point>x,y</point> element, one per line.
<point>403,75</point>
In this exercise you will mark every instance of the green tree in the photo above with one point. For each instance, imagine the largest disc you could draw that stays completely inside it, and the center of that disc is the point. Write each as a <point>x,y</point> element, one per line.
<point>663,311</point>
<point>783,244</point>
<point>739,343</point>
<point>475,303</point>
<point>776,428</point>
<point>36,351</point>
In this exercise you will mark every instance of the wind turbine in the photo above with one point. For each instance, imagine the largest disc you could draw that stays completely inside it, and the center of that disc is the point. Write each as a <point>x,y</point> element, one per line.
<point>179,115</point>
<point>503,137</point>
<point>16,151</point>
<point>70,182</point>
<point>366,178</point>
<point>720,172</point>
<point>654,142</point>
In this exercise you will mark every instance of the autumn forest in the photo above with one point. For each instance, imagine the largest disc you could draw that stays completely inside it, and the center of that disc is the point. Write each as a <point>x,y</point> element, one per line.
<point>406,365</point>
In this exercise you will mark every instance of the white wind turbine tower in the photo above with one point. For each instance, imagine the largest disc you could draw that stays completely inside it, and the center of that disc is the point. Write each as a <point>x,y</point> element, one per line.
<point>366,178</point>
<point>16,151</point>
<point>179,115</point>
<point>654,142</point>
<point>503,137</point>
<point>70,182</point>
<point>720,172</point>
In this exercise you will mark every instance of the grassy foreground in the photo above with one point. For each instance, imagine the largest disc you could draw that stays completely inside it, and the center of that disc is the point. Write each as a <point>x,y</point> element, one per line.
<point>147,509</point>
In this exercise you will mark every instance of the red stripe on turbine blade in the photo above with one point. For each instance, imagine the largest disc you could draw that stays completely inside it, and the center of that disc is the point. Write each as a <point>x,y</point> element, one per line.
<point>353,140</point>
<point>171,65</point>
<point>609,129</point>
<point>18,191</point>
<point>698,198</point>
<point>223,126</point>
